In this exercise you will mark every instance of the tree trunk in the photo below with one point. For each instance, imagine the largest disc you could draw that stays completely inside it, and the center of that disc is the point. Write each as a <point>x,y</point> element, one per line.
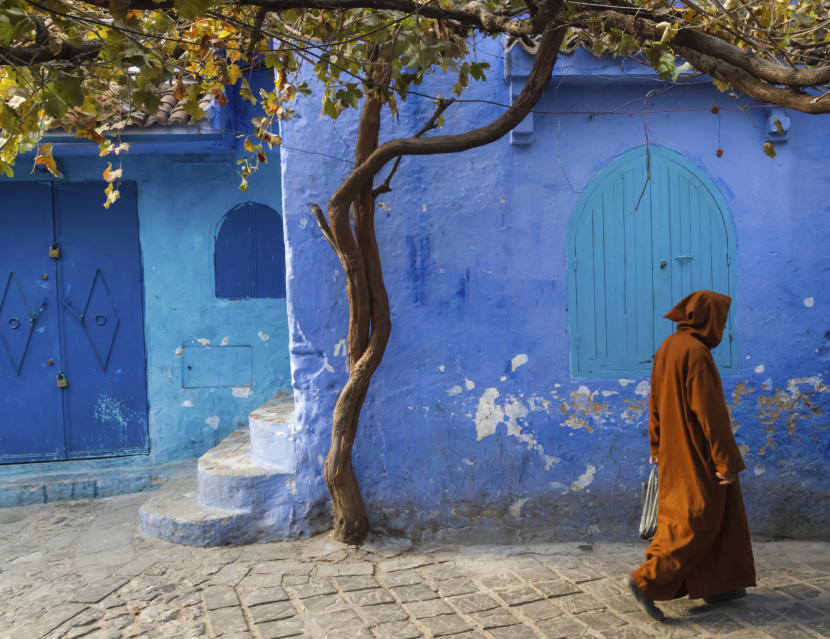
<point>369,317</point>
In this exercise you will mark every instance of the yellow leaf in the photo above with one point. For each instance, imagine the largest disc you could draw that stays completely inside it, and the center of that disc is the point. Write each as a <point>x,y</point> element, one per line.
<point>234,73</point>
<point>249,146</point>
<point>279,81</point>
<point>111,175</point>
<point>44,158</point>
<point>112,195</point>
<point>244,185</point>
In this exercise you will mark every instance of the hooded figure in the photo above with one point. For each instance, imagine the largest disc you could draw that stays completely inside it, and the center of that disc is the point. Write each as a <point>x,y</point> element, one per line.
<point>701,547</point>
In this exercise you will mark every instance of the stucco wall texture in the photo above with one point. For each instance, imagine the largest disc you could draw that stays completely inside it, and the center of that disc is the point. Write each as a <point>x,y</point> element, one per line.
<point>186,184</point>
<point>474,428</point>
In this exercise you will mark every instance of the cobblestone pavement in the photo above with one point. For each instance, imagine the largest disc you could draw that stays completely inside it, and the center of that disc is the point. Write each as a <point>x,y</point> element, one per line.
<point>80,569</point>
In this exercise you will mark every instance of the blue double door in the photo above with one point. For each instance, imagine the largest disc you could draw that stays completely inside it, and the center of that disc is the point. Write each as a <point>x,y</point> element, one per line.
<point>72,358</point>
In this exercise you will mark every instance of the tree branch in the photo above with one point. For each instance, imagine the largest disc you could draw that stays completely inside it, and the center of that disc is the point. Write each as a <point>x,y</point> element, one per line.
<point>475,14</point>
<point>37,54</point>
<point>535,86</point>
<point>716,48</point>
<point>443,105</point>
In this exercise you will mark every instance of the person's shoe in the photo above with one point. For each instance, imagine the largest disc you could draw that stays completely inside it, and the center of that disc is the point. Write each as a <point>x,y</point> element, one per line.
<point>726,596</point>
<point>644,602</point>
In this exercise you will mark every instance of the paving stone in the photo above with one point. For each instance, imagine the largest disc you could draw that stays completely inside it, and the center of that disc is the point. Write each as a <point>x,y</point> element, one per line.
<point>429,608</point>
<point>600,619</point>
<point>604,588</point>
<point>519,595</point>
<point>294,580</point>
<point>98,592</point>
<point>314,588</point>
<point>280,629</point>
<point>382,613</point>
<point>539,610</point>
<point>537,573</point>
<point>401,578</point>
<point>474,602</point>
<point>582,602</point>
<point>349,583</point>
<point>324,603</point>
<point>790,631</point>
<point>230,575</point>
<point>352,569</point>
<point>407,562</point>
<point>263,595</point>
<point>456,586</point>
<point>799,591</point>
<point>627,632</point>
<point>415,593</point>
<point>494,618</point>
<point>396,630</point>
<point>226,620</point>
<point>272,612</point>
<point>217,597</point>
<point>584,574</point>
<point>718,624</point>
<point>472,634</point>
<point>560,628</point>
<point>338,619</point>
<point>621,604</point>
<point>444,625</point>
<point>557,588</point>
<point>442,572</point>
<point>821,626</point>
<point>513,632</point>
<point>370,597</point>
<point>502,581</point>
<point>269,568</point>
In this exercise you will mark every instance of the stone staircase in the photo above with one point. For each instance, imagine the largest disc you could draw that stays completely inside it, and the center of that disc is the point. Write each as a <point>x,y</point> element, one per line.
<point>242,491</point>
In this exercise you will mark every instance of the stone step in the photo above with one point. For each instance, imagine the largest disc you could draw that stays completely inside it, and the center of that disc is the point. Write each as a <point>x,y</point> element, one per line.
<point>236,497</point>
<point>229,479</point>
<point>174,514</point>
<point>272,428</point>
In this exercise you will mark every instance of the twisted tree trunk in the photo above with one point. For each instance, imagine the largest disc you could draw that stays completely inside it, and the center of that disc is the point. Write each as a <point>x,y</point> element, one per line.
<point>353,240</point>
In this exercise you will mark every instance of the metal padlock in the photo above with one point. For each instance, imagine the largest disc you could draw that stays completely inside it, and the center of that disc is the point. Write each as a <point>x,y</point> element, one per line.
<point>60,379</point>
<point>54,251</point>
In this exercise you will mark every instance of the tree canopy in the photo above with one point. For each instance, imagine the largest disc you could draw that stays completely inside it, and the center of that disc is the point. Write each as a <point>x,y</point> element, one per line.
<point>88,66</point>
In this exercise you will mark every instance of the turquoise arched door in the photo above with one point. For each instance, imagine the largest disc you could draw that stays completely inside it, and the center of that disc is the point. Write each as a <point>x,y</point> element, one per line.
<point>637,246</point>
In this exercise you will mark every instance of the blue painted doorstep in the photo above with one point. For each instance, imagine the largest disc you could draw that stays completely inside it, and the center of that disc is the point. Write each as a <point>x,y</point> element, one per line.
<point>72,359</point>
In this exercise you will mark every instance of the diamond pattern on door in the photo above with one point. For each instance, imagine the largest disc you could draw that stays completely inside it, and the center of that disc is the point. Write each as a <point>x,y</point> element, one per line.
<point>16,322</point>
<point>100,319</point>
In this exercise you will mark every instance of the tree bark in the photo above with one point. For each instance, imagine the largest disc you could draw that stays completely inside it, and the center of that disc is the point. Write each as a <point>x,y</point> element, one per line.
<point>356,246</point>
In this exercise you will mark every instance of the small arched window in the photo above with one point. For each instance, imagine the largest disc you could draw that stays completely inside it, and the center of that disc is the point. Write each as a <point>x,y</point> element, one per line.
<point>249,259</point>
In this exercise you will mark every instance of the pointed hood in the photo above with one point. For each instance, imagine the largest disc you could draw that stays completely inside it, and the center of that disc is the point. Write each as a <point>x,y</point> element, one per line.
<point>703,314</point>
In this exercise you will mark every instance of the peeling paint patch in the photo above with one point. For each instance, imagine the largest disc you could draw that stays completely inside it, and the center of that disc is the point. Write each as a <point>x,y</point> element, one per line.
<point>519,360</point>
<point>809,301</point>
<point>225,341</point>
<point>179,351</point>
<point>489,415</point>
<point>213,421</point>
<point>442,368</point>
<point>759,369</point>
<point>759,470</point>
<point>242,391</point>
<point>468,461</point>
<point>585,479</point>
<point>187,403</point>
<point>328,366</point>
<point>203,341</point>
<point>340,348</point>
<point>516,509</point>
<point>469,384</point>
<point>263,336</point>
<point>609,393</point>
<point>455,390</point>
<point>384,206</point>
<point>643,389</point>
<point>626,382</point>
<point>109,410</point>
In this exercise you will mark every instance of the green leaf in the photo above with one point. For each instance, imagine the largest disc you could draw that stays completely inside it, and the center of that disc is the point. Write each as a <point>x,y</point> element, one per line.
<point>69,89</point>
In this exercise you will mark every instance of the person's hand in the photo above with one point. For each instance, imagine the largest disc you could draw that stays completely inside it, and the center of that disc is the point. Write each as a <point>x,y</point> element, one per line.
<point>652,460</point>
<point>726,479</point>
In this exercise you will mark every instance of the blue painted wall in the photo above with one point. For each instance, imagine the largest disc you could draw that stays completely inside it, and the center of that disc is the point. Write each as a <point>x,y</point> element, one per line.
<point>474,427</point>
<point>186,184</point>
